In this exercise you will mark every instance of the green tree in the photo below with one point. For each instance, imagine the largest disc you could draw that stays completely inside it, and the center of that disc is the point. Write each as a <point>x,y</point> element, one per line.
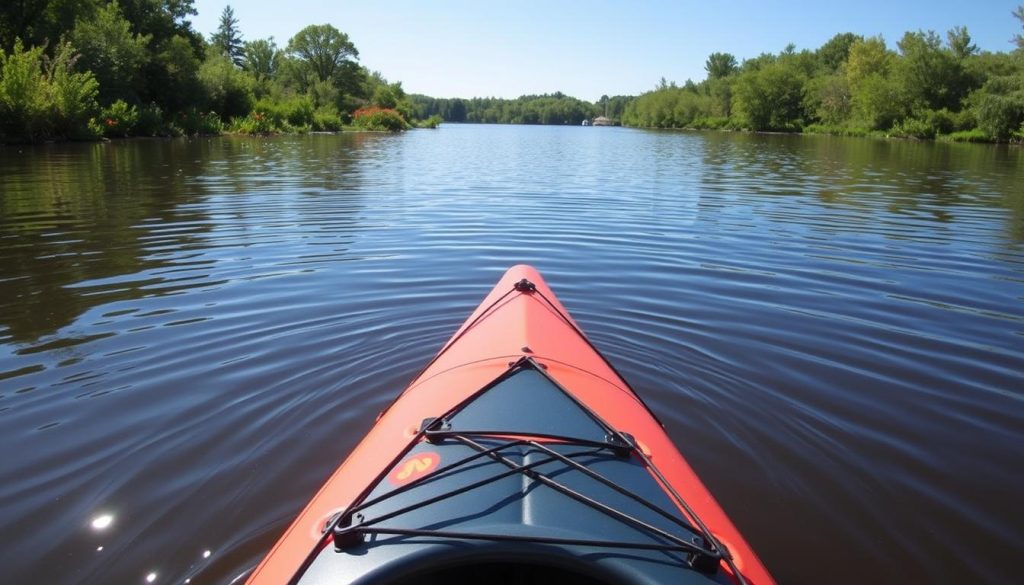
<point>176,69</point>
<point>959,41</point>
<point>999,106</point>
<point>828,99</point>
<point>986,65</point>
<point>1019,15</point>
<point>719,65</point>
<point>228,89</point>
<point>616,105</point>
<point>834,53</point>
<point>323,50</point>
<point>868,57</point>
<point>169,77</point>
<point>931,77</point>
<point>720,92</point>
<point>771,97</point>
<point>163,20</point>
<point>228,39</point>
<point>879,102</point>
<point>757,62</point>
<point>457,111</point>
<point>41,22</point>
<point>110,50</point>
<point>384,97</point>
<point>261,58</point>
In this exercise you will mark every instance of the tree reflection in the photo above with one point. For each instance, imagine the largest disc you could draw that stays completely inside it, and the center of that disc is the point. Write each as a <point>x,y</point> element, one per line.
<point>933,182</point>
<point>85,225</point>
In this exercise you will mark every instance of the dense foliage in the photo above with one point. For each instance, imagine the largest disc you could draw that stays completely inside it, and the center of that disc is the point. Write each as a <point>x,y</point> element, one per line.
<point>91,68</point>
<point>925,87</point>
<point>554,109</point>
<point>44,97</point>
<point>379,119</point>
<point>84,69</point>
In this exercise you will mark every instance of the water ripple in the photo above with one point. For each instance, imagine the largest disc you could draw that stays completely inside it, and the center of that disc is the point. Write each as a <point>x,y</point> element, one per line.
<point>194,333</point>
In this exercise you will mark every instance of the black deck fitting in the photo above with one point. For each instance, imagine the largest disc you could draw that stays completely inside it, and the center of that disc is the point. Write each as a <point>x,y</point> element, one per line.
<point>434,425</point>
<point>622,447</point>
<point>345,535</point>
<point>707,564</point>
<point>525,286</point>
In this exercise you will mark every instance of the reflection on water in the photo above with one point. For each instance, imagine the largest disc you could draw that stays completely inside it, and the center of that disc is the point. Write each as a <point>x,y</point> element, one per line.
<point>92,224</point>
<point>193,333</point>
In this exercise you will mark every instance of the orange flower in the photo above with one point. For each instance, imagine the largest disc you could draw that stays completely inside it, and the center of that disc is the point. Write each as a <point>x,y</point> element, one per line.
<point>369,111</point>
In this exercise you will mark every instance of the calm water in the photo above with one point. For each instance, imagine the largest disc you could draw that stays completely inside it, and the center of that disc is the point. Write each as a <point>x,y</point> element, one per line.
<point>193,334</point>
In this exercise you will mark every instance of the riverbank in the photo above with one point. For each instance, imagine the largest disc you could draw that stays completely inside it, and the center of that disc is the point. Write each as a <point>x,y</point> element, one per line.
<point>257,125</point>
<point>966,136</point>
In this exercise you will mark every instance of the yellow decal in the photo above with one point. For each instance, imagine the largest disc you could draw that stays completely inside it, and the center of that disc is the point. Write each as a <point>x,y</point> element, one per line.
<point>414,467</point>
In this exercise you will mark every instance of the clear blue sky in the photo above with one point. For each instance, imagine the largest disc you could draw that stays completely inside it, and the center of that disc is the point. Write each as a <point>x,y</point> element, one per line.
<point>467,48</point>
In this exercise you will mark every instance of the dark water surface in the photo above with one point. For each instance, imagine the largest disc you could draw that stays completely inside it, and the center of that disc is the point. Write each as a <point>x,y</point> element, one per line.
<point>193,334</point>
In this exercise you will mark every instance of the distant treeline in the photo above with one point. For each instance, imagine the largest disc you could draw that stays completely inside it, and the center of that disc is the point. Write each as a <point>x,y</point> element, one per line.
<point>85,69</point>
<point>92,68</point>
<point>556,108</point>
<point>928,87</point>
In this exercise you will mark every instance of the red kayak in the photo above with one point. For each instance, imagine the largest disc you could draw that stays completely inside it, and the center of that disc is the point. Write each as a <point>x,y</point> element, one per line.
<point>518,455</point>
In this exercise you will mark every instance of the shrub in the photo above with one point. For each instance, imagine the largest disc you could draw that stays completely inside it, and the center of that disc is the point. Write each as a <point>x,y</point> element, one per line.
<point>964,120</point>
<point>41,98</point>
<point>326,120</point>
<point>379,119</point>
<point>119,119</point>
<point>195,122</point>
<point>299,112</point>
<point>975,135</point>
<point>431,122</point>
<point>836,130</point>
<point>150,121</point>
<point>942,121</point>
<point>257,122</point>
<point>23,104</point>
<point>913,128</point>
<point>999,106</point>
<point>711,123</point>
<point>72,96</point>
<point>229,90</point>
<point>294,113</point>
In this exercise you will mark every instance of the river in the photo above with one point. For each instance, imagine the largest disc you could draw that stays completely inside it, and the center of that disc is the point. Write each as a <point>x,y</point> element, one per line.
<point>194,333</point>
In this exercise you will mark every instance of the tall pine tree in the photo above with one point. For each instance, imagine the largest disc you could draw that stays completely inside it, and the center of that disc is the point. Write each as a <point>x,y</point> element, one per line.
<point>1019,39</point>
<point>228,39</point>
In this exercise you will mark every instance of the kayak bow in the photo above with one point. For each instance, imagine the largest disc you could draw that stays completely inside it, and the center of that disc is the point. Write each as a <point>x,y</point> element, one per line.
<point>517,454</point>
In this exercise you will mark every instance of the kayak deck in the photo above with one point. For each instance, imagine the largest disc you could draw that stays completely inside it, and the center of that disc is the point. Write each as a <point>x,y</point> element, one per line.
<point>501,479</point>
<point>518,449</point>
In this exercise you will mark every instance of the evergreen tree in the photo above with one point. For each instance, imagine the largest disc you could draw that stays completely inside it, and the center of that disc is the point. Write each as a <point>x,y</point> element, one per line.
<point>228,39</point>
<point>1019,14</point>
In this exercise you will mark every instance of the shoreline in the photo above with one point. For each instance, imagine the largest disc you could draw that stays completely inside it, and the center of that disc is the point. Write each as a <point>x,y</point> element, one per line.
<point>105,139</point>
<point>876,135</point>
